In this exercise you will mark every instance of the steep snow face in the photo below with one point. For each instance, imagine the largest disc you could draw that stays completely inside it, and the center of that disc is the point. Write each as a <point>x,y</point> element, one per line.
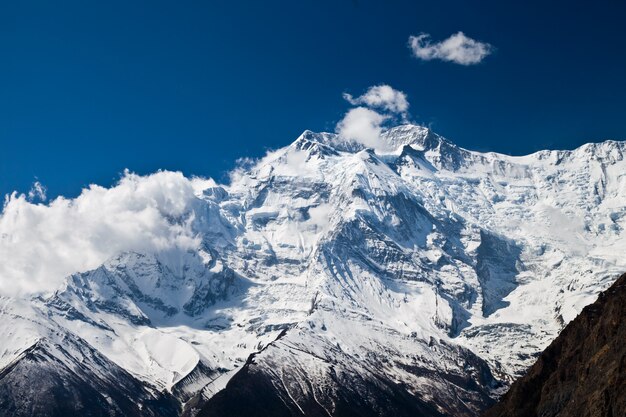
<point>426,265</point>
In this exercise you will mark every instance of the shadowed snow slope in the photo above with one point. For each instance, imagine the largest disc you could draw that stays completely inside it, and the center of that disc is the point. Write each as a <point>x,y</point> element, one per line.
<point>326,276</point>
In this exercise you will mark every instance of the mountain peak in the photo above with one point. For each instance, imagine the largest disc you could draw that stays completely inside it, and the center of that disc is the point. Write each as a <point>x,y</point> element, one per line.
<point>391,140</point>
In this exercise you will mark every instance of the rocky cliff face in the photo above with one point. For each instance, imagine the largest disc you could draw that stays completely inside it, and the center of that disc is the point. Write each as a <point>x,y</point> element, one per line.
<point>583,372</point>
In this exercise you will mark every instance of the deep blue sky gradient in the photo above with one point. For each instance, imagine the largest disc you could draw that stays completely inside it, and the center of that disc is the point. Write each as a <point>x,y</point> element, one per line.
<point>90,88</point>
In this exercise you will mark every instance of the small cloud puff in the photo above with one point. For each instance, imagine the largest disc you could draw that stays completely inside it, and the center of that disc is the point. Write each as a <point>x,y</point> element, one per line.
<point>364,124</point>
<point>458,48</point>
<point>381,96</point>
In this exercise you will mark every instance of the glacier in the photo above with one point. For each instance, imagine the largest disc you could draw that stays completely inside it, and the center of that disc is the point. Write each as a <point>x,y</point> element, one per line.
<point>328,277</point>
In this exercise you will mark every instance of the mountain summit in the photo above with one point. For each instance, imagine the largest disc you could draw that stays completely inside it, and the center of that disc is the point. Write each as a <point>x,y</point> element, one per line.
<point>325,279</point>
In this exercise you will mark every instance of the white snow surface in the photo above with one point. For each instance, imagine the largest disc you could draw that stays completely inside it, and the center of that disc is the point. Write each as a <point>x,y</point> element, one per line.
<point>337,245</point>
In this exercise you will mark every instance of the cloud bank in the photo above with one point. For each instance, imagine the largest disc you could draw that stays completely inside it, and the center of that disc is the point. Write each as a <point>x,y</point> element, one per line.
<point>378,105</point>
<point>458,48</point>
<point>40,244</point>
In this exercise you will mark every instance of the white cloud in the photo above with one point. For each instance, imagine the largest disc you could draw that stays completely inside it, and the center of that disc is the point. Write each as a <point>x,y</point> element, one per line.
<point>37,192</point>
<point>458,48</point>
<point>320,216</point>
<point>41,244</point>
<point>362,125</point>
<point>382,96</point>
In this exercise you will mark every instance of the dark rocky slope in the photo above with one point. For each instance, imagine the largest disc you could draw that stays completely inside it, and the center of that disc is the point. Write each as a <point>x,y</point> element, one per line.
<point>583,372</point>
<point>275,382</point>
<point>254,392</point>
<point>47,381</point>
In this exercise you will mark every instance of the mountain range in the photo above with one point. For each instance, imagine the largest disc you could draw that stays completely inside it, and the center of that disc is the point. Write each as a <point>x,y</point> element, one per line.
<point>326,279</point>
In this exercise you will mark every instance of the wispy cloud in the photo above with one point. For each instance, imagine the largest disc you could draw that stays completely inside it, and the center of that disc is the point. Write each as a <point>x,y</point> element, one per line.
<point>37,192</point>
<point>458,48</point>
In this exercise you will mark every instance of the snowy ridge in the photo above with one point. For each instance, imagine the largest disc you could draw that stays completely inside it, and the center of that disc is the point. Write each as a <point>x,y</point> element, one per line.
<point>425,266</point>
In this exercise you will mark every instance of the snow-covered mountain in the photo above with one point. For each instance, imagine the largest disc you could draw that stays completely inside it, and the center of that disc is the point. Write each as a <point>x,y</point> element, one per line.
<point>326,279</point>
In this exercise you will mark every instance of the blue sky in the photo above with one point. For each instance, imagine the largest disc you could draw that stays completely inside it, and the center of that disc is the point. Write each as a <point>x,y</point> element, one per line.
<point>88,89</point>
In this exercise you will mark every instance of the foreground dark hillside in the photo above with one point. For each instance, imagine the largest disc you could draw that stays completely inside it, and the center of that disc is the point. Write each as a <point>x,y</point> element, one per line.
<point>583,372</point>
